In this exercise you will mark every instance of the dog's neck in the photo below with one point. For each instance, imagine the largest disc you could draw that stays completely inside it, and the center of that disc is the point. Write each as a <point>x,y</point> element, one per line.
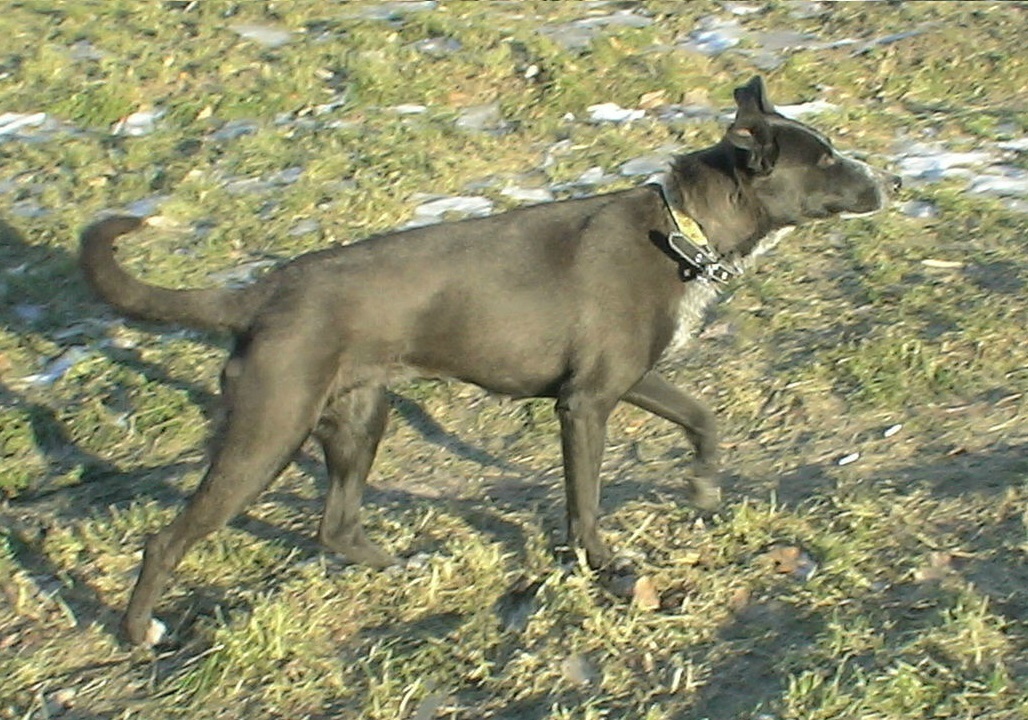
<point>686,242</point>
<point>707,187</point>
<point>683,222</point>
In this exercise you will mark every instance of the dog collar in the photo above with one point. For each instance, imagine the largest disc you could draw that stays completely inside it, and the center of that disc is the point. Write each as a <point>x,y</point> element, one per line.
<point>689,244</point>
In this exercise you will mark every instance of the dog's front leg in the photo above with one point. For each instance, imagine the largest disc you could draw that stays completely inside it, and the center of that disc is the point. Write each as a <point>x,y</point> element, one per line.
<point>660,397</point>
<point>583,426</point>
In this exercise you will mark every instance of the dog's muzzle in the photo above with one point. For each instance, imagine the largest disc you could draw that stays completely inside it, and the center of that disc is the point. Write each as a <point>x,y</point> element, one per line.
<point>883,185</point>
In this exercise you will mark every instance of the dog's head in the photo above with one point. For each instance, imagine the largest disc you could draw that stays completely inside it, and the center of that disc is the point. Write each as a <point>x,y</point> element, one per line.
<point>794,171</point>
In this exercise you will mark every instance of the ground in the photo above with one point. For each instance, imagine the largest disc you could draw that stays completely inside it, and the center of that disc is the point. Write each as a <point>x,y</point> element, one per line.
<point>870,376</point>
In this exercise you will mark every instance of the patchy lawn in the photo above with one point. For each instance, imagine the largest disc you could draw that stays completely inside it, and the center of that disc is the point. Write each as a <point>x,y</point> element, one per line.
<point>871,559</point>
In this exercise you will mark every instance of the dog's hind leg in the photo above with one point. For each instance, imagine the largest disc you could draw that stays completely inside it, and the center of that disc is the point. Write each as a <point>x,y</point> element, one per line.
<point>349,432</point>
<point>658,396</point>
<point>583,422</point>
<point>273,407</point>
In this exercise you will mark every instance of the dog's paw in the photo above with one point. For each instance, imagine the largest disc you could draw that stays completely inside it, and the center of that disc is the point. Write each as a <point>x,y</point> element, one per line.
<point>704,493</point>
<point>374,557</point>
<point>156,632</point>
<point>361,552</point>
<point>148,635</point>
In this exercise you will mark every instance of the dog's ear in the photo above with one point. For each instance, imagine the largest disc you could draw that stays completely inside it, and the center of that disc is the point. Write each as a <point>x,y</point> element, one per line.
<point>753,95</point>
<point>750,133</point>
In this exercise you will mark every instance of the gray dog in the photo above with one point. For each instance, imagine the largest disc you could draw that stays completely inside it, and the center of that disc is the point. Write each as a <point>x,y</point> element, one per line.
<point>573,300</point>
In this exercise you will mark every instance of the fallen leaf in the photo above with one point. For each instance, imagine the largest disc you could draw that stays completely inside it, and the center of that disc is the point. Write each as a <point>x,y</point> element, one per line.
<point>653,99</point>
<point>791,560</point>
<point>740,599</point>
<point>162,222</point>
<point>645,594</point>
<point>9,641</point>
<point>458,98</point>
<point>784,557</point>
<point>690,557</point>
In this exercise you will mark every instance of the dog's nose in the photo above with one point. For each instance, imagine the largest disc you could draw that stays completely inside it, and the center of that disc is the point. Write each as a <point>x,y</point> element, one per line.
<point>895,182</point>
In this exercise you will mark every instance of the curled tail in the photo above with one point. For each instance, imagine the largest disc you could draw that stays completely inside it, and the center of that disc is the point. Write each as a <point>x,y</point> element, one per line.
<point>217,309</point>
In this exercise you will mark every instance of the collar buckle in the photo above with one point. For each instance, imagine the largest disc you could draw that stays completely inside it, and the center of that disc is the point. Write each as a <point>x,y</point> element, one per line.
<point>698,260</point>
<point>699,263</point>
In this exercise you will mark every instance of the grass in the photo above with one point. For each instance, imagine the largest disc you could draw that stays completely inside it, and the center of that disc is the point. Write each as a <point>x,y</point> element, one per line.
<point>917,604</point>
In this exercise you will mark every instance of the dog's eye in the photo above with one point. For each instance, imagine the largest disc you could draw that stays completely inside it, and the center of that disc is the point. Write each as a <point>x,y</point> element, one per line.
<point>826,160</point>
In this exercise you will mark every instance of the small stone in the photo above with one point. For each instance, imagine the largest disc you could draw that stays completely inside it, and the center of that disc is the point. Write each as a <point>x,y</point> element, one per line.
<point>851,458</point>
<point>60,701</point>
<point>942,264</point>
<point>304,227</point>
<point>263,35</point>
<point>613,113</point>
<point>919,209</point>
<point>234,129</point>
<point>535,195</point>
<point>137,124</point>
<point>579,670</point>
<point>646,165</point>
<point>438,46</point>
<point>892,430</point>
<point>409,109</point>
<point>482,118</point>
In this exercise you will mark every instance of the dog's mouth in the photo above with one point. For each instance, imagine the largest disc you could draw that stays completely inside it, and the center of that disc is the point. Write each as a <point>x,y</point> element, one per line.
<point>854,215</point>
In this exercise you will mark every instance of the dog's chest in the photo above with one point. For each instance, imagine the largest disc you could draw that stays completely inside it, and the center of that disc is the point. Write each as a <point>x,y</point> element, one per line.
<point>699,295</point>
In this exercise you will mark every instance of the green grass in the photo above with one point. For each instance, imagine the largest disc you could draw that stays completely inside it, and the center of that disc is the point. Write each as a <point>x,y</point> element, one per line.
<point>918,607</point>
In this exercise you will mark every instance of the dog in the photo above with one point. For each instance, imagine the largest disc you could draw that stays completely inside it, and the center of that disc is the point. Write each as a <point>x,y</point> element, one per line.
<point>574,300</point>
